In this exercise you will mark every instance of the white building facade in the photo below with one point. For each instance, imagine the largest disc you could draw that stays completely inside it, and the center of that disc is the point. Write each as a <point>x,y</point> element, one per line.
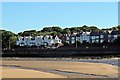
<point>47,40</point>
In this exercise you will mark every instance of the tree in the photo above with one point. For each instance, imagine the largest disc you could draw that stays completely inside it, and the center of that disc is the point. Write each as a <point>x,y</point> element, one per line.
<point>46,29</point>
<point>57,29</point>
<point>118,27</point>
<point>13,41</point>
<point>66,31</point>
<point>93,28</point>
<point>8,38</point>
<point>29,33</point>
<point>73,29</point>
<point>84,28</point>
<point>114,28</point>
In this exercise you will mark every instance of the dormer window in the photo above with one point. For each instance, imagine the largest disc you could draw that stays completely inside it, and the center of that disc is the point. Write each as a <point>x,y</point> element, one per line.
<point>23,39</point>
<point>33,38</point>
<point>59,41</point>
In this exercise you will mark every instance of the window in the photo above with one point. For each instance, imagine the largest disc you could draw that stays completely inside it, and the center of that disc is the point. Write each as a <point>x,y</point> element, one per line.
<point>73,42</point>
<point>115,36</point>
<point>97,37</point>
<point>93,41</point>
<point>59,41</point>
<point>33,38</point>
<point>67,38</point>
<point>73,38</point>
<point>93,37</point>
<point>108,40</point>
<point>109,36</point>
<point>101,36</point>
<point>22,39</point>
<point>56,38</point>
<point>101,41</point>
<point>26,38</point>
<point>97,41</point>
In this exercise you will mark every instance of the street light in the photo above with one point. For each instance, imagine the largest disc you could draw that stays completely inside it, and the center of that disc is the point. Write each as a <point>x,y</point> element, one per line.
<point>9,44</point>
<point>76,41</point>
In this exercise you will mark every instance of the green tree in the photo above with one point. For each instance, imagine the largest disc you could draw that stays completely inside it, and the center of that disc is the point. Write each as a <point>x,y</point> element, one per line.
<point>57,29</point>
<point>66,31</point>
<point>8,37</point>
<point>93,28</point>
<point>29,33</point>
<point>115,28</point>
<point>46,29</point>
<point>118,27</point>
<point>73,29</point>
<point>84,28</point>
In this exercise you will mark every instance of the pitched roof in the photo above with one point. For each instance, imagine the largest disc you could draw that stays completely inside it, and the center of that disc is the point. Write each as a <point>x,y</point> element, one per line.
<point>95,33</point>
<point>115,32</point>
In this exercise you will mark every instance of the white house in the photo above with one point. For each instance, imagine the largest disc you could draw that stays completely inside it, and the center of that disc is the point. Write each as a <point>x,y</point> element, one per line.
<point>47,40</point>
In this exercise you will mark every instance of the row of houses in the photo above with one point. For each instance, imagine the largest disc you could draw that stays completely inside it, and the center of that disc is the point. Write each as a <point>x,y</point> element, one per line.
<point>49,40</point>
<point>91,37</point>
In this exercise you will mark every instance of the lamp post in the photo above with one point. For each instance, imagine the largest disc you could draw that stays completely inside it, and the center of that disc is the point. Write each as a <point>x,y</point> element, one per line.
<point>9,45</point>
<point>76,41</point>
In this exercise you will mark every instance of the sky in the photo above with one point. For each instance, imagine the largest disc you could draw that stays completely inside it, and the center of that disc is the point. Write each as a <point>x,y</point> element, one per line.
<point>21,16</point>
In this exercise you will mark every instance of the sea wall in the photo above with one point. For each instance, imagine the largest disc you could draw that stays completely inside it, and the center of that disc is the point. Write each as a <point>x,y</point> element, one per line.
<point>61,52</point>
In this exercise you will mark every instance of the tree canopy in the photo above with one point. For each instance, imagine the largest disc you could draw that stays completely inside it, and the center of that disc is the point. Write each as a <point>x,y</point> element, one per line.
<point>8,36</point>
<point>57,30</point>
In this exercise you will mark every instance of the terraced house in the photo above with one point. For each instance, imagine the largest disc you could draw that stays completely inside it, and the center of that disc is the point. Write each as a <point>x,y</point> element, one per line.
<point>47,40</point>
<point>91,37</point>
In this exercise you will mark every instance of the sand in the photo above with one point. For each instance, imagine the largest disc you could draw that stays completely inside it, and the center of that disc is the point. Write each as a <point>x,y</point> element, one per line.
<point>25,73</point>
<point>91,69</point>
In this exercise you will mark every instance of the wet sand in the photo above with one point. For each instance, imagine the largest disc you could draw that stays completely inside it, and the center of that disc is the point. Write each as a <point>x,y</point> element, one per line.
<point>57,69</point>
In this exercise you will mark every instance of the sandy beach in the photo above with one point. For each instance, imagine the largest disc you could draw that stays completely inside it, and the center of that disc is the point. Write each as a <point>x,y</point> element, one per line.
<point>56,69</point>
<point>26,73</point>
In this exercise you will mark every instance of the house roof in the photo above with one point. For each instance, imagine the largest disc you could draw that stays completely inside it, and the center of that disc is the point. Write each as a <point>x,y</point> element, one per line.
<point>50,37</point>
<point>95,33</point>
<point>78,35</point>
<point>115,32</point>
<point>54,36</point>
